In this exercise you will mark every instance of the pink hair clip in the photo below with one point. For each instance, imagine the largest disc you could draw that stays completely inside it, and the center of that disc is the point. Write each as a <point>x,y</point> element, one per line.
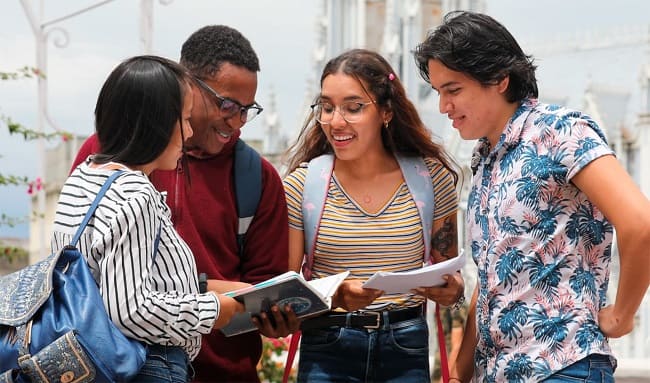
<point>391,76</point>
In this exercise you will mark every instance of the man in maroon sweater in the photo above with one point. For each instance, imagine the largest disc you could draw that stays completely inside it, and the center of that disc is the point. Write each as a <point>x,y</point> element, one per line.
<point>204,213</point>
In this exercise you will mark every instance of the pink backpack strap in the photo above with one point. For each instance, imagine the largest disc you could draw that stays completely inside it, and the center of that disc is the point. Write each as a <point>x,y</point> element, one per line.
<point>314,193</point>
<point>418,181</point>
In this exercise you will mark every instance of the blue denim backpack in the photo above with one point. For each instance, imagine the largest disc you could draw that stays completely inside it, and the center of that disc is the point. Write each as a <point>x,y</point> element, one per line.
<point>53,324</point>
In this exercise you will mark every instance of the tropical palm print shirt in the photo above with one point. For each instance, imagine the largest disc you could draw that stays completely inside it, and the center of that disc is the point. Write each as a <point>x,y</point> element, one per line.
<point>541,247</point>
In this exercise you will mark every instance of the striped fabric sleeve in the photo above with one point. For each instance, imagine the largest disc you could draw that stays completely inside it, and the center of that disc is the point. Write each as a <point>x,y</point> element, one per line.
<point>444,190</point>
<point>127,277</point>
<point>293,188</point>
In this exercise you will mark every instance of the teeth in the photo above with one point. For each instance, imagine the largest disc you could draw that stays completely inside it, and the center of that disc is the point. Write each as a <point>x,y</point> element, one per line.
<point>224,135</point>
<point>342,138</point>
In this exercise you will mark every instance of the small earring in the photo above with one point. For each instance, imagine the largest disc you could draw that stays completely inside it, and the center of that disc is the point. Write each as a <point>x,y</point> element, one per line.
<point>386,124</point>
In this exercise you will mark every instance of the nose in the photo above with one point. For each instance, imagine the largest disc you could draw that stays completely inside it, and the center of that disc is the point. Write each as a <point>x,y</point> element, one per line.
<point>338,120</point>
<point>189,132</point>
<point>443,104</point>
<point>235,121</point>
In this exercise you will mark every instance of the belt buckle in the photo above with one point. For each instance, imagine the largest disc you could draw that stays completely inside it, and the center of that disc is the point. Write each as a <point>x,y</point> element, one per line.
<point>378,320</point>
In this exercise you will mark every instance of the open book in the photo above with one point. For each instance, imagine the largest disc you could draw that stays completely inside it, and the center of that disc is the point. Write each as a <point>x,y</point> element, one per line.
<point>403,282</point>
<point>307,298</point>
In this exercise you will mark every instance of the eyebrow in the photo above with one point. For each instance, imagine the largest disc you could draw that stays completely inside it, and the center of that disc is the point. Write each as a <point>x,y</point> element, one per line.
<point>213,92</point>
<point>445,85</point>
<point>348,98</point>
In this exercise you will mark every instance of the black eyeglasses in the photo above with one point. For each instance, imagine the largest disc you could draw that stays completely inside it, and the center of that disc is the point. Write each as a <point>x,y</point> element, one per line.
<point>230,107</point>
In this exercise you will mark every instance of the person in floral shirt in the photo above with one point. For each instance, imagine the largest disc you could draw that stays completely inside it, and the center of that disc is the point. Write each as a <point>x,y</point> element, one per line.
<point>546,195</point>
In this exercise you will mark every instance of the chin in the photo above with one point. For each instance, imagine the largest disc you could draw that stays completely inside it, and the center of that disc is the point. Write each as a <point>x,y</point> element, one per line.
<point>467,136</point>
<point>346,155</point>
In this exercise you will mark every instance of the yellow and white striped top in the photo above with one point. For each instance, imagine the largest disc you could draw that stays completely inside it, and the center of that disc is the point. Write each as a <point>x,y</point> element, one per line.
<point>350,238</point>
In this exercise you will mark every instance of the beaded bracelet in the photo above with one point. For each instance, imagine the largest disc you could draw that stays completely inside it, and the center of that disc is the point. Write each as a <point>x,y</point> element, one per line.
<point>457,306</point>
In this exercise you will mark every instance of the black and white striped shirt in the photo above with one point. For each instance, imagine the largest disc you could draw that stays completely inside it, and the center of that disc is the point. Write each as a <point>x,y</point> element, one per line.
<point>156,301</point>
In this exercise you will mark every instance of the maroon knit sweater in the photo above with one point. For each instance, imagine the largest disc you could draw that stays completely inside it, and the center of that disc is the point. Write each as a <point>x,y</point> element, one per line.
<point>204,213</point>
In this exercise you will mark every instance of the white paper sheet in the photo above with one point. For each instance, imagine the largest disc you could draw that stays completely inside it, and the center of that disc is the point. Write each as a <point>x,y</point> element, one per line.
<point>403,282</point>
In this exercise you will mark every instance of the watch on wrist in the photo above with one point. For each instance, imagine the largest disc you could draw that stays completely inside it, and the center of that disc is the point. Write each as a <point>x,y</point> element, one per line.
<point>203,283</point>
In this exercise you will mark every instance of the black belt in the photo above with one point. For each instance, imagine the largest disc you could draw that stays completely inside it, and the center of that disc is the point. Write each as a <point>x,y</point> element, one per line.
<point>363,320</point>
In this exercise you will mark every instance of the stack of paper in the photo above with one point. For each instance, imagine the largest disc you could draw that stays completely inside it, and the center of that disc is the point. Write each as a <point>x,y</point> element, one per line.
<point>405,281</point>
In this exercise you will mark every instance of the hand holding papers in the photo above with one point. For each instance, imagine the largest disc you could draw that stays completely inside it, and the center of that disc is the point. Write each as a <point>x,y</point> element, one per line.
<point>306,298</point>
<point>403,282</point>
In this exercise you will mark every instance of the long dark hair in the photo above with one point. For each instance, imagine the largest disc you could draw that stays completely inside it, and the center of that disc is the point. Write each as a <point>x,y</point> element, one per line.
<point>138,108</point>
<point>482,48</point>
<point>406,133</point>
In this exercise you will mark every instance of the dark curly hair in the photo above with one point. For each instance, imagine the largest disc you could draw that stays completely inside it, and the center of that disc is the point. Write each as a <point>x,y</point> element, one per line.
<point>207,49</point>
<point>479,46</point>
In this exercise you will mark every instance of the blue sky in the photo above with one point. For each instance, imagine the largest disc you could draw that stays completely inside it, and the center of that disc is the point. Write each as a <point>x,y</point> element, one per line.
<point>282,32</point>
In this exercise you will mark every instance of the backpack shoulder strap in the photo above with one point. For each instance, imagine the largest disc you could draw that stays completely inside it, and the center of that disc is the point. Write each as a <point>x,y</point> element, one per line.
<point>314,193</point>
<point>247,173</point>
<point>418,180</point>
<point>93,206</point>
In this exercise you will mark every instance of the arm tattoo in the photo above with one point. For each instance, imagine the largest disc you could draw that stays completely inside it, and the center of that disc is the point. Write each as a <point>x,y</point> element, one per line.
<point>444,239</point>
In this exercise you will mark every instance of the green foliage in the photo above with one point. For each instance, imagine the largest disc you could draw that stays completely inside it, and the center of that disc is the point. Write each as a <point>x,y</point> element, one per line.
<point>10,252</point>
<point>29,134</point>
<point>6,220</point>
<point>13,180</point>
<point>24,72</point>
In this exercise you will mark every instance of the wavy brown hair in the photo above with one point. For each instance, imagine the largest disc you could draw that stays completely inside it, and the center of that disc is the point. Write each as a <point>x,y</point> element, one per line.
<point>406,133</point>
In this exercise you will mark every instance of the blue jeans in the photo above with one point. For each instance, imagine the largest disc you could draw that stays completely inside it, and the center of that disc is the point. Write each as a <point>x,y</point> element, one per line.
<point>164,364</point>
<point>595,368</point>
<point>395,353</point>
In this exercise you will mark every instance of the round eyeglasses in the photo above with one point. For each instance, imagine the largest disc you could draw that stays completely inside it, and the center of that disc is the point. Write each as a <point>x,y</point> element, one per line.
<point>229,107</point>
<point>350,111</point>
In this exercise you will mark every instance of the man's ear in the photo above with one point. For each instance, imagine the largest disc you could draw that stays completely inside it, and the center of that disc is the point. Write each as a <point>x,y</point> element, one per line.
<point>502,85</point>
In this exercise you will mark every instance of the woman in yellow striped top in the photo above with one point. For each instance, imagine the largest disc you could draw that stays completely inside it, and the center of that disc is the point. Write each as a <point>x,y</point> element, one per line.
<point>370,222</point>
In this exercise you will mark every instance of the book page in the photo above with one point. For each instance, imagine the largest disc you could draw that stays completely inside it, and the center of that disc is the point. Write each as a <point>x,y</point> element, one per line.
<point>327,286</point>
<point>403,282</point>
<point>273,281</point>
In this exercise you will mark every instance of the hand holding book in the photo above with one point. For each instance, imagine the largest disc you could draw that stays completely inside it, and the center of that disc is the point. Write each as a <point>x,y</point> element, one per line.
<point>305,298</point>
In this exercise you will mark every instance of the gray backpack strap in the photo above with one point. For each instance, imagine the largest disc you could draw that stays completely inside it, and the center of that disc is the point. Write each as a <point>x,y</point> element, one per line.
<point>314,193</point>
<point>418,180</point>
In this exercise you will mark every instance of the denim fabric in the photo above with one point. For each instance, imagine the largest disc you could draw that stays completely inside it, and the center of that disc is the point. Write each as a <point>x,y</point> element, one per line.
<point>166,364</point>
<point>396,353</point>
<point>595,368</point>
